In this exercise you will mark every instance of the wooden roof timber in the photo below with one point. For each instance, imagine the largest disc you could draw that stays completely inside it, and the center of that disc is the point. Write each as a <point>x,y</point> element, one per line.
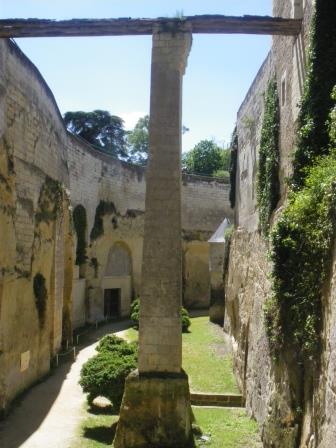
<point>207,24</point>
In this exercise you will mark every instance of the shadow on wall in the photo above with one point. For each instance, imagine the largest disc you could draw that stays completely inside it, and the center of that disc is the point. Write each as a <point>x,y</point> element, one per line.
<point>31,408</point>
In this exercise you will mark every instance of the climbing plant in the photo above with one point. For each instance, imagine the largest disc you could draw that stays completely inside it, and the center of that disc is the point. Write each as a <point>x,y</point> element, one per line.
<point>41,296</point>
<point>302,240</point>
<point>313,138</point>
<point>103,208</point>
<point>302,244</point>
<point>233,167</point>
<point>80,224</point>
<point>269,154</point>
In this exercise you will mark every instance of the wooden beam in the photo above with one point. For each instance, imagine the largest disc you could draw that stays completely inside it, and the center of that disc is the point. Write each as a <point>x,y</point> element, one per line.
<point>207,24</point>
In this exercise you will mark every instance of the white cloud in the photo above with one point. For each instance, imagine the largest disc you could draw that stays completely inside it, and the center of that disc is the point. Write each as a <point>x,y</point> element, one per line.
<point>131,118</point>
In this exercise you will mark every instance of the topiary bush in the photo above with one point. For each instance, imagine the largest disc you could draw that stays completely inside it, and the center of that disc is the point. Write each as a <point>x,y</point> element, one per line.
<point>185,320</point>
<point>105,374</point>
<point>135,311</point>
<point>112,343</point>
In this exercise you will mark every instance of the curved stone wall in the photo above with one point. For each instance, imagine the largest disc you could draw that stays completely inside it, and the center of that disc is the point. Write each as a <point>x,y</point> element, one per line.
<point>35,151</point>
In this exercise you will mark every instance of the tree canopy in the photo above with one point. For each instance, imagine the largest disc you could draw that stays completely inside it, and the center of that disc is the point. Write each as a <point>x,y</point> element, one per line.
<point>103,130</point>
<point>106,132</point>
<point>138,141</point>
<point>207,159</point>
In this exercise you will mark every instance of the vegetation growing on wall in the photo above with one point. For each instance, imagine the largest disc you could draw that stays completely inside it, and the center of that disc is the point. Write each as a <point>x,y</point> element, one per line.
<point>269,154</point>
<point>316,102</point>
<point>41,296</point>
<point>233,167</point>
<point>80,223</point>
<point>227,245</point>
<point>103,208</point>
<point>302,243</point>
<point>50,201</point>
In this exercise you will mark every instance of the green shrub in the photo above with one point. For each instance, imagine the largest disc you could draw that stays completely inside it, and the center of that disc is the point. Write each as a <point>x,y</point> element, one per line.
<point>135,310</point>
<point>112,343</point>
<point>105,374</point>
<point>268,189</point>
<point>185,320</point>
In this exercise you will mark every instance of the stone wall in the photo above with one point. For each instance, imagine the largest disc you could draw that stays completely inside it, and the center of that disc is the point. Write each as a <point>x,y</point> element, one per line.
<point>274,389</point>
<point>35,151</point>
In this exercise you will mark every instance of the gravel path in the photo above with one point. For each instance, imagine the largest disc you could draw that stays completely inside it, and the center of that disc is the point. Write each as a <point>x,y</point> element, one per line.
<point>49,414</point>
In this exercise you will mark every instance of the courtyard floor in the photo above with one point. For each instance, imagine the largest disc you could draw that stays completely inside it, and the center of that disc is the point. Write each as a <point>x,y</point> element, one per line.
<point>54,414</point>
<point>48,415</point>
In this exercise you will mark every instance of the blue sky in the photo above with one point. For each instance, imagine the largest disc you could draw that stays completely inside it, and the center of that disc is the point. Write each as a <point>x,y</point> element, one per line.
<point>113,73</point>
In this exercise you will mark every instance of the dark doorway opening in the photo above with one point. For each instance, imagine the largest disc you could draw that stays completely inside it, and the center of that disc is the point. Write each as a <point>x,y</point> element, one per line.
<point>112,303</point>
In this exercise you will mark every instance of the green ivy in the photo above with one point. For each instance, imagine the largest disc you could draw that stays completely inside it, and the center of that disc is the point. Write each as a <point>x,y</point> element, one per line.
<point>268,190</point>
<point>103,208</point>
<point>41,296</point>
<point>316,102</point>
<point>302,244</point>
<point>80,224</point>
<point>302,240</point>
<point>233,167</point>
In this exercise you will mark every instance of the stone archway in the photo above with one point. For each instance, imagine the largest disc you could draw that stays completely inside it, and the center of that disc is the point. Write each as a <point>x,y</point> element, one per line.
<point>117,281</point>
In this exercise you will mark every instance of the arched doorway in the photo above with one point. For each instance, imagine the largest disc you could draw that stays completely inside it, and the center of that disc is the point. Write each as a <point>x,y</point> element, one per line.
<point>117,282</point>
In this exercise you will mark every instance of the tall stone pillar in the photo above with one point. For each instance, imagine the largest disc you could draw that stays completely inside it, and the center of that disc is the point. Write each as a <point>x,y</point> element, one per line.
<point>156,409</point>
<point>161,292</point>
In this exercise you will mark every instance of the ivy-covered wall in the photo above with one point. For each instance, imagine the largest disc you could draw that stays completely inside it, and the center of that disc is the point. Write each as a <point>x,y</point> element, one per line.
<point>280,294</point>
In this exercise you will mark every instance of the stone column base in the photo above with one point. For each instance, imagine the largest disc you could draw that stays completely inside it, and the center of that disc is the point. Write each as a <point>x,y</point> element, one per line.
<point>155,412</point>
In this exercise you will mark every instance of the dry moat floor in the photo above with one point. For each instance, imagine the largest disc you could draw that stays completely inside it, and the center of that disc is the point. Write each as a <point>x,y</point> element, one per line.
<point>54,413</point>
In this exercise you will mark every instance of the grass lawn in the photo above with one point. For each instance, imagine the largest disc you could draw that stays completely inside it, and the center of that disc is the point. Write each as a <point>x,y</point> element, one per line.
<point>229,428</point>
<point>95,431</point>
<point>209,365</point>
<point>205,357</point>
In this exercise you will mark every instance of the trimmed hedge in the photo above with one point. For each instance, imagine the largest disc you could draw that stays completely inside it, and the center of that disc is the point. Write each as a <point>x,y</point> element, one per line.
<point>135,311</point>
<point>105,374</point>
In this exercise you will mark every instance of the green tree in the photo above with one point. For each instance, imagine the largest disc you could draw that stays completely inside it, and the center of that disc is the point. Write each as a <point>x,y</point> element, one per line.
<point>207,159</point>
<point>103,130</point>
<point>138,141</point>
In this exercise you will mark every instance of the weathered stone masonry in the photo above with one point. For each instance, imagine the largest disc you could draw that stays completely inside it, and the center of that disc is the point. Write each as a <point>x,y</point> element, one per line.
<point>35,147</point>
<point>269,387</point>
<point>156,408</point>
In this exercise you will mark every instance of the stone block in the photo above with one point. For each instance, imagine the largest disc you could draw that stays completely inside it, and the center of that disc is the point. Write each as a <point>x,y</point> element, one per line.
<point>155,412</point>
